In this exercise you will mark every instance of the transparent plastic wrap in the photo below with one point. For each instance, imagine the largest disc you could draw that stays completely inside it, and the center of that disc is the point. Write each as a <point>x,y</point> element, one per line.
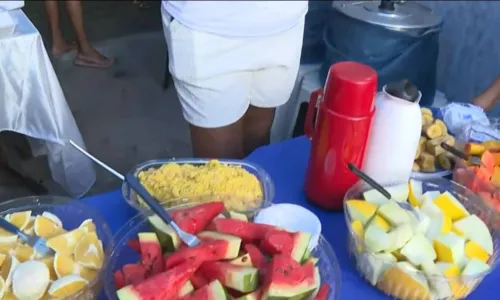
<point>33,104</point>
<point>391,275</point>
<point>266,184</point>
<point>122,254</point>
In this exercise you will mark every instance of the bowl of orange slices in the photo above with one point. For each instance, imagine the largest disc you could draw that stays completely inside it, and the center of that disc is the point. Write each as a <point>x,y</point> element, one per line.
<point>79,237</point>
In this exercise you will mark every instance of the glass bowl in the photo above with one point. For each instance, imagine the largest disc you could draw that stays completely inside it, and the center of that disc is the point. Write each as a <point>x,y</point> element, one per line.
<point>266,184</point>
<point>461,286</point>
<point>122,254</point>
<point>72,214</point>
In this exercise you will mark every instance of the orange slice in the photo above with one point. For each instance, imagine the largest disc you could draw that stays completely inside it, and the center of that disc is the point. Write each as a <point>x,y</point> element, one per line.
<point>30,280</point>
<point>8,295</point>
<point>64,266</point>
<point>88,251</point>
<point>3,288</point>
<point>49,262</point>
<point>46,228</point>
<point>19,219</point>
<point>29,229</point>
<point>65,243</point>
<point>88,225</point>
<point>3,257</point>
<point>53,218</point>
<point>23,252</point>
<point>7,268</point>
<point>7,248</point>
<point>67,286</point>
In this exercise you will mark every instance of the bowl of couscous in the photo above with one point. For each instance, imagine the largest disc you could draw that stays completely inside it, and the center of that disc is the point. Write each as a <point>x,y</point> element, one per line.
<point>242,186</point>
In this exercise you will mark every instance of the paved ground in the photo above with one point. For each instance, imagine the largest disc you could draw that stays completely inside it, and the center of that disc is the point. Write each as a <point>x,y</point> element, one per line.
<point>123,113</point>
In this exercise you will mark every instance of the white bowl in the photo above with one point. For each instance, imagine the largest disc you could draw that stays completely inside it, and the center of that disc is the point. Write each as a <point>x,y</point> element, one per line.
<point>293,218</point>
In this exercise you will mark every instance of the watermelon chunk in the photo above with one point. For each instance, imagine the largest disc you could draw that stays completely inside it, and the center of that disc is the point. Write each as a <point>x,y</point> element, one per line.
<point>255,295</point>
<point>289,279</point>
<point>212,291</point>
<point>151,253</point>
<point>134,273</point>
<point>119,279</point>
<point>248,232</point>
<point>323,292</point>
<point>283,242</point>
<point>243,260</point>
<point>258,259</point>
<point>239,278</point>
<point>205,251</point>
<point>134,244</point>
<point>164,286</point>
<point>233,242</point>
<point>167,236</point>
<point>198,280</point>
<point>195,219</point>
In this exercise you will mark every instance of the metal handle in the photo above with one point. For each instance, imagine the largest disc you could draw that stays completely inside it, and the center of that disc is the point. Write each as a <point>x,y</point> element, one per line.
<point>12,228</point>
<point>369,180</point>
<point>148,198</point>
<point>454,151</point>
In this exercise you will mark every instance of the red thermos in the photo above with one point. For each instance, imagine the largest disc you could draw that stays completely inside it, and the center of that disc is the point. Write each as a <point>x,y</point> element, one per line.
<point>345,109</point>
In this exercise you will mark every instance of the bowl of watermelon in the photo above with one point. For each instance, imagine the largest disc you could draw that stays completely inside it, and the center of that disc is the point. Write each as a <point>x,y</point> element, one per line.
<point>236,259</point>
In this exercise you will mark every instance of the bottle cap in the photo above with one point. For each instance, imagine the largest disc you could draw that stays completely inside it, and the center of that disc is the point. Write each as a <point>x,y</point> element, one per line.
<point>350,89</point>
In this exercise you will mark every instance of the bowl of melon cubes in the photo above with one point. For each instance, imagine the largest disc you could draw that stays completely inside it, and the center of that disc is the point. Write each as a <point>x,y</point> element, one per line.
<point>441,249</point>
<point>79,237</point>
<point>236,259</point>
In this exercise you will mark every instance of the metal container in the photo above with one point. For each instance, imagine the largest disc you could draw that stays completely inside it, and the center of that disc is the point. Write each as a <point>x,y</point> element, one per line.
<point>264,178</point>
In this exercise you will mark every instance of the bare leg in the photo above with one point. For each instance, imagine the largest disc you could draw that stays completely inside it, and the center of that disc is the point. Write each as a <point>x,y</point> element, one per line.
<point>59,44</point>
<point>87,54</point>
<point>257,124</point>
<point>222,142</point>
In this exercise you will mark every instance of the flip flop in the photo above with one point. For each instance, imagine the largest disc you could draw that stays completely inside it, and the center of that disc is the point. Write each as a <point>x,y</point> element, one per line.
<point>81,62</point>
<point>73,46</point>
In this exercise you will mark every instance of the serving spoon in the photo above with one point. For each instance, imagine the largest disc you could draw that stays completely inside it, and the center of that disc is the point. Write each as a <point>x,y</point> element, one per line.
<point>132,181</point>
<point>363,176</point>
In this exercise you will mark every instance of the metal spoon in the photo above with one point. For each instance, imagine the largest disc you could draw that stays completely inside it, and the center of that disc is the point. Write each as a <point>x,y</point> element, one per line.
<point>361,175</point>
<point>187,238</point>
<point>37,243</point>
<point>462,155</point>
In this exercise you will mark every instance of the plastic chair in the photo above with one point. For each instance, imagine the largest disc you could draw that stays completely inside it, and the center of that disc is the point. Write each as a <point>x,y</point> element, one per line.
<point>286,115</point>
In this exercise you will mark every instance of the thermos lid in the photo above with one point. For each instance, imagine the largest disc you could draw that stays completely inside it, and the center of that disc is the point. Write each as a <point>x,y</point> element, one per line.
<point>350,89</point>
<point>403,89</point>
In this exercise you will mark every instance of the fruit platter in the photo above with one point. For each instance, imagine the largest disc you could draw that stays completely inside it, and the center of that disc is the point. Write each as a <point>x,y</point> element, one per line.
<point>483,179</point>
<point>236,259</point>
<point>431,160</point>
<point>79,237</point>
<point>440,249</point>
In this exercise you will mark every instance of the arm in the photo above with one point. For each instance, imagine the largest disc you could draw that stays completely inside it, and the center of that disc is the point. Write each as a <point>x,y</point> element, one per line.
<point>489,98</point>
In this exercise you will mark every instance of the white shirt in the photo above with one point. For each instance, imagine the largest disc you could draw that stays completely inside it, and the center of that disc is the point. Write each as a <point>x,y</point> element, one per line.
<point>233,18</point>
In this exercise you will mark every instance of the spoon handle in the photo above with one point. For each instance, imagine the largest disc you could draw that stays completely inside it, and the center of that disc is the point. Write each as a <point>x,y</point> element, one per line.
<point>454,151</point>
<point>148,198</point>
<point>369,180</point>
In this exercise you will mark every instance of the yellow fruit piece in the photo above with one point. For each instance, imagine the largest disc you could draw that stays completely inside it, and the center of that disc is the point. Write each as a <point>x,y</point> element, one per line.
<point>7,248</point>
<point>29,228</point>
<point>19,219</point>
<point>67,286</point>
<point>450,206</point>
<point>7,268</point>
<point>361,210</point>
<point>3,257</point>
<point>403,280</point>
<point>23,252</point>
<point>65,243</point>
<point>473,250</point>
<point>8,295</point>
<point>446,226</point>
<point>398,255</point>
<point>3,288</point>
<point>46,228</point>
<point>88,225</point>
<point>381,223</point>
<point>49,262</point>
<point>414,196</point>
<point>457,231</point>
<point>89,253</point>
<point>64,266</point>
<point>458,289</point>
<point>55,219</point>
<point>449,248</point>
<point>358,229</point>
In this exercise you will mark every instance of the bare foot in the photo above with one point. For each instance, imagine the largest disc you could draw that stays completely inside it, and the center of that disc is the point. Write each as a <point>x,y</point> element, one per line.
<point>62,47</point>
<point>92,58</point>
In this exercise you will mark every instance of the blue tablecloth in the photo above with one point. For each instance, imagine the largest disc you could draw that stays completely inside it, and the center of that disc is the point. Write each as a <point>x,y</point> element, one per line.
<point>286,162</point>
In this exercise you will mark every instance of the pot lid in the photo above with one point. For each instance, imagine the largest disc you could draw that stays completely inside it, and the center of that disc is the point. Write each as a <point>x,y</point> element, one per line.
<point>401,15</point>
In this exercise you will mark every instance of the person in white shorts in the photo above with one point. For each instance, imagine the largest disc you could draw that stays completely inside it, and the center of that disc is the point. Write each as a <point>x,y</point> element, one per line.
<point>233,63</point>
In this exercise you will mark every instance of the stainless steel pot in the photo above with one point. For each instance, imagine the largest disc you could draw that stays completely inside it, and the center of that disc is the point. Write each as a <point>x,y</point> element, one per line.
<point>403,16</point>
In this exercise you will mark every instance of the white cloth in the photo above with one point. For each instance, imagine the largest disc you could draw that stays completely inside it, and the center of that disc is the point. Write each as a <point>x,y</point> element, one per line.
<point>238,18</point>
<point>10,5</point>
<point>33,104</point>
<point>217,78</point>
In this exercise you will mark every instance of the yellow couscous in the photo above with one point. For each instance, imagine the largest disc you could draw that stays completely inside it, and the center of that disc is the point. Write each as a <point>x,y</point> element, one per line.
<point>239,189</point>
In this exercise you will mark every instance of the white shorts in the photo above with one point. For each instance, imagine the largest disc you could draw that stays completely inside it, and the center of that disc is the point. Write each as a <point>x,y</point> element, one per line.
<point>217,77</point>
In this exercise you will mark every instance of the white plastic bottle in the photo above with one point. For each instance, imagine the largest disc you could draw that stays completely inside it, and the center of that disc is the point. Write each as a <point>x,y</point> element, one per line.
<point>395,133</point>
